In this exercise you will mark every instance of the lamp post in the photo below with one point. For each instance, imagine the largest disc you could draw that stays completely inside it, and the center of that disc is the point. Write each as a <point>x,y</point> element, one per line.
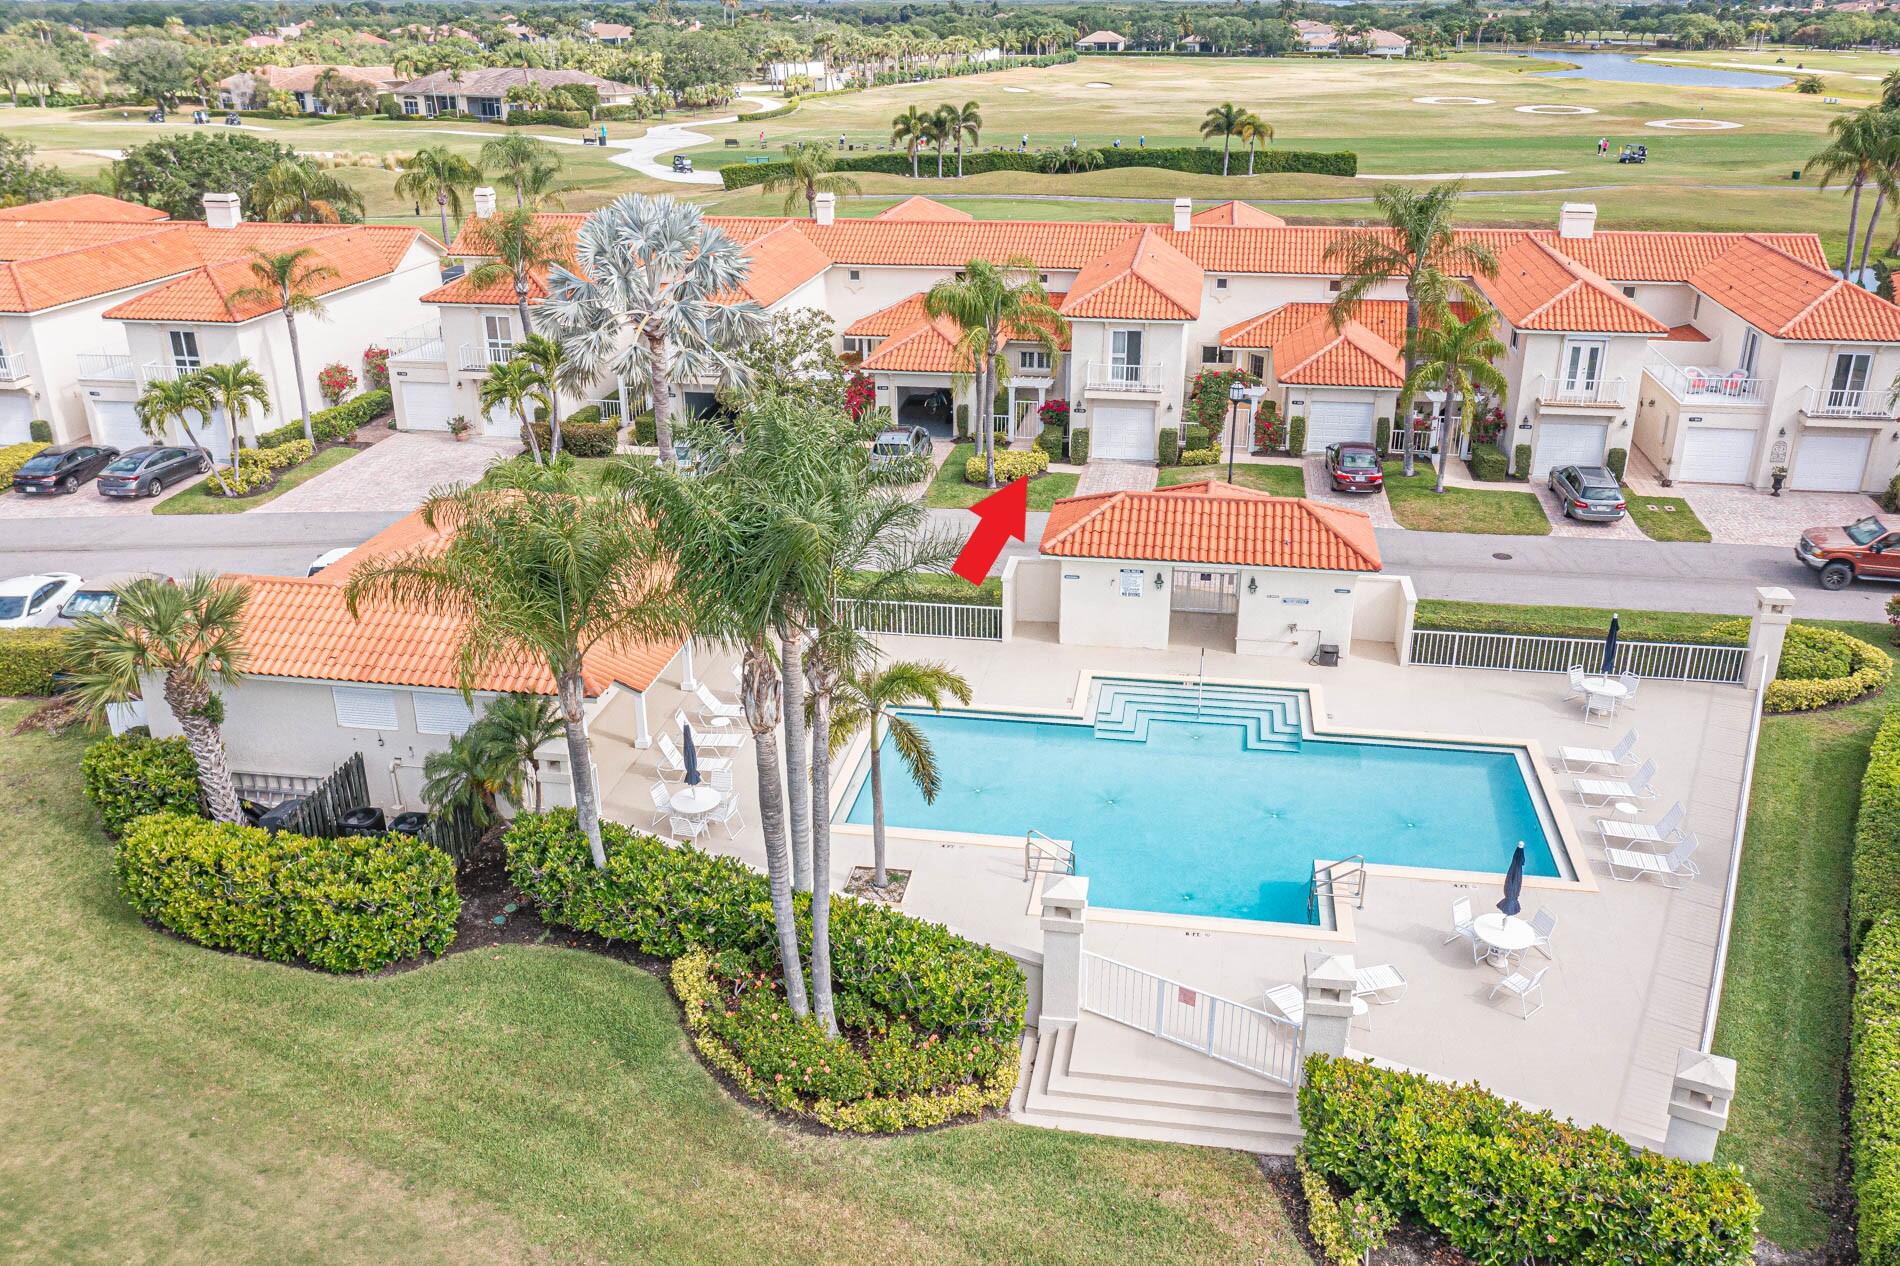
<point>1236,392</point>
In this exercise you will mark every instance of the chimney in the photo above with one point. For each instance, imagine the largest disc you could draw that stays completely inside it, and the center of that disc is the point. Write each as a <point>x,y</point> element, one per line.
<point>484,201</point>
<point>222,211</point>
<point>1183,214</point>
<point>1577,219</point>
<point>824,208</point>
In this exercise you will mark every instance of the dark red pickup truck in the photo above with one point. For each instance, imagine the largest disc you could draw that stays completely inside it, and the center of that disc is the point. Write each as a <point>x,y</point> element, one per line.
<point>1865,550</point>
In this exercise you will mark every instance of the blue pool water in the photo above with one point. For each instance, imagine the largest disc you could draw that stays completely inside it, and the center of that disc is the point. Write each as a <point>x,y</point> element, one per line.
<point>1623,68</point>
<point>1197,819</point>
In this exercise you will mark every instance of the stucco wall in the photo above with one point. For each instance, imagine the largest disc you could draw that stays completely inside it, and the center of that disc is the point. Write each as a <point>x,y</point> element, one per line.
<point>1032,592</point>
<point>1384,607</point>
<point>1291,612</point>
<point>1095,611</point>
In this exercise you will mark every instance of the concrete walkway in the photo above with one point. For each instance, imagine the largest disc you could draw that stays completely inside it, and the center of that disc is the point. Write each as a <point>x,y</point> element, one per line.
<point>1107,476</point>
<point>642,152</point>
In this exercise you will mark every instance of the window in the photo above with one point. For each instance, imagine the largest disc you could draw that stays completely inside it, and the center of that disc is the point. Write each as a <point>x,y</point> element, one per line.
<point>1214,356</point>
<point>855,275</point>
<point>410,106</point>
<point>1220,283</point>
<point>1042,279</point>
<point>1035,359</point>
<point>1629,292</point>
<point>860,345</point>
<point>358,708</point>
<point>1583,365</point>
<point>498,329</point>
<point>1514,340</point>
<point>1848,383</point>
<point>1125,347</point>
<point>185,351</point>
<point>43,595</point>
<point>440,712</point>
<point>1751,349</point>
<point>1334,285</point>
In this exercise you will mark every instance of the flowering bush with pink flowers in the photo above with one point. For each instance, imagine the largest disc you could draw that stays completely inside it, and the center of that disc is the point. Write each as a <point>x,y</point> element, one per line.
<point>376,368</point>
<point>336,381</point>
<point>860,393</point>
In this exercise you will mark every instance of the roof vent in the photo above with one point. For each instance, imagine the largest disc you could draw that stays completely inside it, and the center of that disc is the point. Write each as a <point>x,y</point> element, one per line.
<point>1183,215</point>
<point>824,208</point>
<point>222,211</point>
<point>1577,220</point>
<point>484,201</point>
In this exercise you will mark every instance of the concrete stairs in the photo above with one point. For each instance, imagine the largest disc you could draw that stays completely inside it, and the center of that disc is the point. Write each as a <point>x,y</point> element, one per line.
<point>1269,719</point>
<point>1098,1077</point>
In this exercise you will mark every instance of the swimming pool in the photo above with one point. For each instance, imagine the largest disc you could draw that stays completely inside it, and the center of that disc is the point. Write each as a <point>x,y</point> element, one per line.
<point>1217,803</point>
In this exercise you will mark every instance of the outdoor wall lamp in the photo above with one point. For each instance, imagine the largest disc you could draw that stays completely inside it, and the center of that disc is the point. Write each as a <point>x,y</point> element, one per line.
<point>1782,433</point>
<point>1525,425</point>
<point>1159,582</point>
<point>1253,584</point>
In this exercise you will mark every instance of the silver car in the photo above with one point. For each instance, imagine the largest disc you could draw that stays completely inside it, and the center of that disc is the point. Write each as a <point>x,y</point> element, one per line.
<point>1589,493</point>
<point>899,445</point>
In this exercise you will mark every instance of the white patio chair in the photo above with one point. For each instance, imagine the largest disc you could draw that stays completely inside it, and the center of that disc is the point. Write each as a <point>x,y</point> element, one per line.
<point>673,763</point>
<point>1638,786</point>
<point>1543,923</point>
<point>662,802</point>
<point>711,737</point>
<point>1461,928</point>
<point>1597,705</point>
<point>1382,983</point>
<point>1666,830</point>
<point>726,816</point>
<point>1674,868</point>
<point>1576,683</point>
<point>721,779</point>
<point>1630,682</point>
<point>1288,1001</point>
<point>1580,759</point>
<point>711,705</point>
<point>1521,987</point>
<point>685,829</point>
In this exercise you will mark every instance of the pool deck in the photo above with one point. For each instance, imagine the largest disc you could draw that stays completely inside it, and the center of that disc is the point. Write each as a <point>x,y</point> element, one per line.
<point>1633,962</point>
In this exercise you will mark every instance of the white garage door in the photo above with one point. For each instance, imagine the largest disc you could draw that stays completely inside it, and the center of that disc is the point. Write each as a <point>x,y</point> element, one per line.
<point>1830,462</point>
<point>501,420</point>
<point>1568,444</point>
<point>213,433</point>
<point>426,406</point>
<point>1122,432</point>
<point>116,422</point>
<point>1335,422</point>
<point>16,418</point>
<point>1716,455</point>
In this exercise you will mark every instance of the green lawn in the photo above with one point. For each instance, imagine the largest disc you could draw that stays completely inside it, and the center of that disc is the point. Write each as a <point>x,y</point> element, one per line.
<point>204,498</point>
<point>949,491</point>
<point>1665,518</point>
<point>1481,510</point>
<point>522,1105</point>
<point>1505,617</point>
<point>1280,480</point>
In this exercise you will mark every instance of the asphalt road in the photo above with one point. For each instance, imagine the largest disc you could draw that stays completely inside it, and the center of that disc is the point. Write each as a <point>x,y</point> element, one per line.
<point>1638,575</point>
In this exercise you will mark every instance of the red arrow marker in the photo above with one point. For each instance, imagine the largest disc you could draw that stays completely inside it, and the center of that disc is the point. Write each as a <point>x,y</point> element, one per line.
<point>1001,515</point>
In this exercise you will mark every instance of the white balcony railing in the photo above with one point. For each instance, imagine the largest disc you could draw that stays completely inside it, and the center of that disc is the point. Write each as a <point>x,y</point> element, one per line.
<point>425,353</point>
<point>107,366</point>
<point>1707,385</point>
<point>1115,375</point>
<point>482,355</point>
<point>1834,402</point>
<point>155,370</point>
<point>416,336</point>
<point>1563,389</point>
<point>12,367</point>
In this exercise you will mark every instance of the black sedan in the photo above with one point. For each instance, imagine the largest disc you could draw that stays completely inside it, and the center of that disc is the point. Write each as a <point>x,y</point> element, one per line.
<point>1588,492</point>
<point>149,470</point>
<point>62,468</point>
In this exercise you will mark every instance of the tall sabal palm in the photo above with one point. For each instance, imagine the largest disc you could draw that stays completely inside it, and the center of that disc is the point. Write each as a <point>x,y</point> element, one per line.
<point>290,280</point>
<point>234,386</point>
<point>1458,358</point>
<point>528,166</point>
<point>1885,143</point>
<point>1855,155</point>
<point>436,173</point>
<point>966,123</point>
<point>164,401</point>
<point>992,304</point>
<point>810,172</point>
<point>1255,131</point>
<point>1224,121</point>
<point>517,385</point>
<point>522,247</point>
<point>189,635</point>
<point>868,699</point>
<point>911,129</point>
<point>295,192</point>
<point>531,569</point>
<point>550,362</point>
<point>1420,244</point>
<point>639,305</point>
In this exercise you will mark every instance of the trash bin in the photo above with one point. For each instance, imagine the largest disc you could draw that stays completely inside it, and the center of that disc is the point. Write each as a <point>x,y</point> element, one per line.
<point>411,823</point>
<point>363,820</point>
<point>252,811</point>
<point>274,818</point>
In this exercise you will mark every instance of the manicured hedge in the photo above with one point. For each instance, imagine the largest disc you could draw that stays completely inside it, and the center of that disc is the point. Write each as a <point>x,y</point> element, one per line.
<point>518,117</point>
<point>131,775</point>
<point>1201,457</point>
<point>14,456</point>
<point>1818,667</point>
<point>1505,1184</point>
<point>1078,446</point>
<point>1875,890</point>
<point>928,587</point>
<point>1196,158</point>
<point>1873,1124</point>
<point>339,423</point>
<point>29,658</point>
<point>1488,462</point>
<point>579,439</point>
<point>779,112</point>
<point>1010,464</point>
<point>353,904</point>
<point>1168,447</point>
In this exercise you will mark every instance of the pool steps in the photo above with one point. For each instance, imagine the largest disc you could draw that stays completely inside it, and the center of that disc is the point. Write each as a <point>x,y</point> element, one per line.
<point>1270,719</point>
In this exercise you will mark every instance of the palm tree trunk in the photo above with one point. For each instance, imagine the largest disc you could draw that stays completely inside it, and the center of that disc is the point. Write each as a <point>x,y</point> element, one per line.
<point>760,686</point>
<point>1853,222</point>
<point>662,392</point>
<point>959,158</point>
<point>1867,240</point>
<point>231,490</point>
<point>1250,158</point>
<point>791,641</point>
<point>913,160</point>
<point>1444,436</point>
<point>989,419</point>
<point>442,210</point>
<point>939,162</point>
<point>1404,410</point>
<point>527,429</point>
<point>580,761</point>
<point>1226,143</point>
<point>296,368</point>
<point>821,850</point>
<point>189,702</point>
<point>879,879</point>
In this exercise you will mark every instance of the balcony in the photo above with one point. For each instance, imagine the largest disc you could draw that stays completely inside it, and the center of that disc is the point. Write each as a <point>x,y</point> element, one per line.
<point>426,353</point>
<point>106,367</point>
<point>13,367</point>
<point>1585,393</point>
<point>1124,376</point>
<point>1874,404</point>
<point>479,356</point>
<point>1705,386</point>
<point>414,340</point>
<point>166,370</point>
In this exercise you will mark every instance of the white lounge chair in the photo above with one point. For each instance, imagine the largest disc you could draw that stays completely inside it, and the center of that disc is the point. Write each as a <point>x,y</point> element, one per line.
<point>1576,683</point>
<point>1383,983</point>
<point>1521,987</point>
<point>684,829</point>
<point>1638,786</point>
<point>1667,830</point>
<point>1579,759</point>
<point>711,737</point>
<point>673,763</point>
<point>711,705</point>
<point>1543,923</point>
<point>1674,868</point>
<point>1288,1001</point>
<point>1461,928</point>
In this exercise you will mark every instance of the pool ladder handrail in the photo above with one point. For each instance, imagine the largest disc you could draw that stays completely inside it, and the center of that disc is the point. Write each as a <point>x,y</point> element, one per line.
<point>1343,878</point>
<point>1042,854</point>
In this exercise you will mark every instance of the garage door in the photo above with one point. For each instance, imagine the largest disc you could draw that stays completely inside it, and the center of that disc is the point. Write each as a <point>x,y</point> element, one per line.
<point>1830,462</point>
<point>116,422</point>
<point>16,417</point>
<point>501,420</point>
<point>1716,455</point>
<point>427,406</point>
<point>1335,422</point>
<point>1122,433</point>
<point>1568,444</point>
<point>213,432</point>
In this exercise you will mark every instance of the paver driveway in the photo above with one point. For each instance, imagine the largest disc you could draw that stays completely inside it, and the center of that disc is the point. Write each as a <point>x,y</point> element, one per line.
<point>1736,515</point>
<point>395,474</point>
<point>84,504</point>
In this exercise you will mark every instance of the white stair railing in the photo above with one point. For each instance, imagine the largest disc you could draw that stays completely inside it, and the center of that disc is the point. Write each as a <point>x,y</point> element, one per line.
<point>1343,880</point>
<point>1217,1027</point>
<point>1042,855</point>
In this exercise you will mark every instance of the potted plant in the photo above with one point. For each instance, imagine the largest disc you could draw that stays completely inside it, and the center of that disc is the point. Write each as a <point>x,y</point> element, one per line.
<point>459,427</point>
<point>1776,478</point>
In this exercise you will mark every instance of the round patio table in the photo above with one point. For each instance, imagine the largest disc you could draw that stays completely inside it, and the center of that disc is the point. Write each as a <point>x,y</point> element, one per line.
<point>1608,687</point>
<point>1503,935</point>
<point>692,801</point>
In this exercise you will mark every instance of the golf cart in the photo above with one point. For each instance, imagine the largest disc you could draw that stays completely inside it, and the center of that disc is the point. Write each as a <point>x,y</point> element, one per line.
<point>232,120</point>
<point>1634,154</point>
<point>682,163</point>
<point>156,116</point>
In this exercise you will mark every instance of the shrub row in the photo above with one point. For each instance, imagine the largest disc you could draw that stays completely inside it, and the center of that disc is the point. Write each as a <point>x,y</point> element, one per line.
<point>337,424</point>
<point>1078,446</point>
<point>1011,464</point>
<point>778,112</point>
<point>1200,457</point>
<point>517,117</point>
<point>1818,667</point>
<point>926,587</point>
<point>1874,1074</point>
<point>352,904</point>
<point>579,439</point>
<point>131,775</point>
<point>1346,1233</point>
<point>257,467</point>
<point>1488,462</point>
<point>14,456</point>
<point>1875,889</point>
<point>29,658</point>
<point>1506,1184</point>
<point>1195,158</point>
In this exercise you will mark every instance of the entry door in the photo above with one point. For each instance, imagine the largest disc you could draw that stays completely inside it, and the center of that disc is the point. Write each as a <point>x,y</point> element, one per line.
<point>1848,385</point>
<point>1583,368</point>
<point>498,332</point>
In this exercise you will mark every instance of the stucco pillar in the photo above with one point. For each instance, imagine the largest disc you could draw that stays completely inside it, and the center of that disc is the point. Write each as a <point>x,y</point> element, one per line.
<point>1698,1104</point>
<point>687,680</point>
<point>1065,904</point>
<point>1329,987</point>
<point>642,736</point>
<point>626,414</point>
<point>1774,607</point>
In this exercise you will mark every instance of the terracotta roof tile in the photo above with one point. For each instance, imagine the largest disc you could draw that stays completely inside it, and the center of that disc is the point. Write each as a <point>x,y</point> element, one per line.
<point>1212,522</point>
<point>1685,334</point>
<point>85,206</point>
<point>1793,301</point>
<point>1351,356</point>
<point>913,343</point>
<point>1384,317</point>
<point>918,209</point>
<point>1537,288</point>
<point>1141,279</point>
<point>358,253</point>
<point>1236,215</point>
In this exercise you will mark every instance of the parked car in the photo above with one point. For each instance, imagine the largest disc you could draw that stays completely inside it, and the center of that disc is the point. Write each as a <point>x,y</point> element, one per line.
<point>100,594</point>
<point>324,559</point>
<point>1353,466</point>
<point>148,470</point>
<point>33,602</point>
<point>899,445</point>
<point>1867,549</point>
<point>682,163</point>
<point>1590,493</point>
<point>62,468</point>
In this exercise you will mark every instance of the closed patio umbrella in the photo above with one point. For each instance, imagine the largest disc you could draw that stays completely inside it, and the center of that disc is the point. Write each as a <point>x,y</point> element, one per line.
<point>1513,883</point>
<point>691,756</point>
<point>1609,645</point>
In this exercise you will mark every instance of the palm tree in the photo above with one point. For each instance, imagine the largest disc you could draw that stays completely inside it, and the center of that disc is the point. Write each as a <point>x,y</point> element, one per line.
<point>966,121</point>
<point>912,127</point>
<point>190,636</point>
<point>532,570</point>
<point>866,700</point>
<point>809,174</point>
<point>1253,130</point>
<point>436,173</point>
<point>1890,90</point>
<point>522,245</point>
<point>1885,179</point>
<point>167,400</point>
<point>1420,244</point>
<point>514,728</point>
<point>463,777</point>
<point>550,362</point>
<point>233,386</point>
<point>530,166</point>
<point>992,304</point>
<point>293,191</point>
<point>1456,357</point>
<point>639,305</point>
<point>1224,121</point>
<point>516,384</point>
<point>289,279</point>
<point>1855,154</point>
<point>937,134</point>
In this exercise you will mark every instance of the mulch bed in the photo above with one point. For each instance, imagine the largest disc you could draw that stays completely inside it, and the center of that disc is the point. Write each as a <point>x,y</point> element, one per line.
<point>892,894</point>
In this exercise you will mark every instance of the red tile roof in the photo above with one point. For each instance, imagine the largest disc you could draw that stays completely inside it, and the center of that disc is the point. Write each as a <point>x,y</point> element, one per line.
<point>358,253</point>
<point>1212,522</point>
<point>918,209</point>
<point>1756,283</point>
<point>1537,288</point>
<point>1141,279</point>
<point>85,206</point>
<point>913,343</point>
<point>1685,334</point>
<point>1384,317</point>
<point>1236,215</point>
<point>1351,356</point>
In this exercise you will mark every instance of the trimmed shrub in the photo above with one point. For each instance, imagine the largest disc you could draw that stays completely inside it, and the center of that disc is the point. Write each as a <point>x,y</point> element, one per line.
<point>632,112</point>
<point>1522,456</point>
<point>40,431</point>
<point>1010,464</point>
<point>1889,500</point>
<point>1346,1233</point>
<point>1296,434</point>
<point>352,904</point>
<point>1194,435</point>
<point>1617,459</point>
<point>14,456</point>
<point>1050,440</point>
<point>1488,462</point>
<point>1382,434</point>
<point>1201,457</point>
<point>1873,1070</point>
<point>546,118</point>
<point>1874,892</point>
<point>645,430</point>
<point>29,658</point>
<point>1193,158</point>
<point>578,439</point>
<point>1079,446</point>
<point>760,116</point>
<point>586,415</point>
<point>337,425</point>
<point>132,775</point>
<point>1168,447</point>
<point>1818,667</point>
<point>1506,1184</point>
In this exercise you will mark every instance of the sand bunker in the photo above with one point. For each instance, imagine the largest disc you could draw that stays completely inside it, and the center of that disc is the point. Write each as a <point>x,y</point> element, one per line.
<point>1554,109</point>
<point>1454,101</point>
<point>1694,125</point>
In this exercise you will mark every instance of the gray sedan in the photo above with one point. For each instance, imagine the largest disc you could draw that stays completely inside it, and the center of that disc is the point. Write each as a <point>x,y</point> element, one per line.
<point>1588,492</point>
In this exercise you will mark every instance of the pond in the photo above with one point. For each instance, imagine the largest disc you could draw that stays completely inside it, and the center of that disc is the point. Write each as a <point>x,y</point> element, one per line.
<point>1623,68</point>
